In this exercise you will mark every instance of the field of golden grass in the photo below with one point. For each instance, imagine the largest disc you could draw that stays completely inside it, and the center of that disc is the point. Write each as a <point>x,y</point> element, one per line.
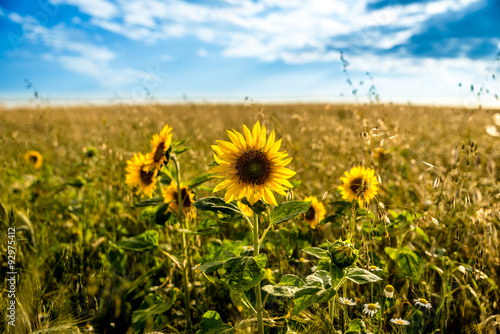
<point>432,229</point>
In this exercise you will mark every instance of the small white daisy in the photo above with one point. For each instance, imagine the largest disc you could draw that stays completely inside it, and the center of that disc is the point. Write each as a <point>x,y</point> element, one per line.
<point>389,291</point>
<point>347,301</point>
<point>422,302</point>
<point>399,321</point>
<point>371,309</point>
<point>374,268</point>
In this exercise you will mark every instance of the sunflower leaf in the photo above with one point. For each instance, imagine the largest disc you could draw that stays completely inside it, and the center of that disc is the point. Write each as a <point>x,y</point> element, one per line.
<point>212,323</point>
<point>243,273</point>
<point>145,241</point>
<point>288,285</point>
<point>216,205</point>
<point>361,276</point>
<point>317,252</point>
<point>288,210</point>
<point>149,202</point>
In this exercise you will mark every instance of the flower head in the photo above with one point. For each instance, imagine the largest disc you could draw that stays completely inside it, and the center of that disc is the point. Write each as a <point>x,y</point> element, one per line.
<point>371,309</point>
<point>347,301</point>
<point>33,158</point>
<point>342,253</point>
<point>399,321</point>
<point>389,291</point>
<point>171,197</point>
<point>316,212</point>
<point>138,176</point>
<point>374,268</point>
<point>252,166</point>
<point>359,184</point>
<point>422,302</point>
<point>160,143</point>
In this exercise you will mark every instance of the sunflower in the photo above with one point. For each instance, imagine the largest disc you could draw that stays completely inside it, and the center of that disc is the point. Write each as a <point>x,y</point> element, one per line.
<point>316,212</point>
<point>161,143</point>
<point>359,183</point>
<point>171,197</point>
<point>252,166</point>
<point>34,158</point>
<point>138,176</point>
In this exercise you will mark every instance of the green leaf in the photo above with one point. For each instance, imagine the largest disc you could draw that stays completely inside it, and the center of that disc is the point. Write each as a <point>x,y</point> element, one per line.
<point>217,205</point>
<point>211,323</point>
<point>409,262</point>
<point>243,273</point>
<point>288,210</point>
<point>287,287</point>
<point>211,266</point>
<point>311,293</point>
<point>145,241</point>
<point>392,252</point>
<point>361,276</point>
<point>320,253</point>
<point>199,180</point>
<point>181,150</point>
<point>258,207</point>
<point>150,202</point>
<point>421,233</point>
<point>154,304</point>
<point>356,326</point>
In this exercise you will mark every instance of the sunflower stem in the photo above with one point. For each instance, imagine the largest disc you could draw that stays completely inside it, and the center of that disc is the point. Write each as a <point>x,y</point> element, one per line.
<point>258,296</point>
<point>180,206</point>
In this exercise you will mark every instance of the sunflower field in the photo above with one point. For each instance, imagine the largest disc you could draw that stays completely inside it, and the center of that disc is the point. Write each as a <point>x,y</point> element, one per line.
<point>206,218</point>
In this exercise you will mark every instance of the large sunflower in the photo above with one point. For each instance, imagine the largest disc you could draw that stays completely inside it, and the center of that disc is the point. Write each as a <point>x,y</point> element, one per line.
<point>161,143</point>
<point>34,158</point>
<point>359,183</point>
<point>316,212</point>
<point>171,197</point>
<point>138,176</point>
<point>252,166</point>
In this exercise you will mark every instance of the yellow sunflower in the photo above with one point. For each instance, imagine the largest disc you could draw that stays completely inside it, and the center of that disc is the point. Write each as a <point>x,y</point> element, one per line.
<point>245,209</point>
<point>170,196</point>
<point>252,166</point>
<point>161,143</point>
<point>34,158</point>
<point>359,183</point>
<point>316,212</point>
<point>138,176</point>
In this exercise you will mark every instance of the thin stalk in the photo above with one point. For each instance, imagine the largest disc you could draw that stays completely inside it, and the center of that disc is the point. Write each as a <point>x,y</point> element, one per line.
<point>258,296</point>
<point>180,206</point>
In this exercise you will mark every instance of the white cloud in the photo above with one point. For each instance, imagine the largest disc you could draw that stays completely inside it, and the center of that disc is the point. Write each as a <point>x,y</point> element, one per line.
<point>96,8</point>
<point>75,55</point>
<point>202,53</point>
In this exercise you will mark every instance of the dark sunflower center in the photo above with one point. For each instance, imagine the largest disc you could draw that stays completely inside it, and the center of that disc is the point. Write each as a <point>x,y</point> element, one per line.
<point>311,213</point>
<point>159,152</point>
<point>253,167</point>
<point>33,159</point>
<point>186,201</point>
<point>146,177</point>
<point>358,186</point>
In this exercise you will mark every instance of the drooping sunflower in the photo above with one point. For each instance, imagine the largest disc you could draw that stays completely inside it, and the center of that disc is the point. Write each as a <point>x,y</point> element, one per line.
<point>252,166</point>
<point>316,212</point>
<point>359,183</point>
<point>161,143</point>
<point>171,197</point>
<point>33,158</point>
<point>137,175</point>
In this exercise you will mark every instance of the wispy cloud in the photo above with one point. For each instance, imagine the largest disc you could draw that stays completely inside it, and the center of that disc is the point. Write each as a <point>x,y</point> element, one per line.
<point>67,48</point>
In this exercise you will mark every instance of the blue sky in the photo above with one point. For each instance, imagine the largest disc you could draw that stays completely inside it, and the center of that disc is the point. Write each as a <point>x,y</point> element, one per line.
<point>287,50</point>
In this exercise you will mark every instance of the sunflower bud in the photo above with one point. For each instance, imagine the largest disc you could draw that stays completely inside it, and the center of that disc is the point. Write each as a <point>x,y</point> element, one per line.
<point>342,253</point>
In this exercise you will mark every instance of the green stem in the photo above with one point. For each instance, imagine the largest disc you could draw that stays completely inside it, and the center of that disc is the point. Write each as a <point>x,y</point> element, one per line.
<point>184,225</point>
<point>258,296</point>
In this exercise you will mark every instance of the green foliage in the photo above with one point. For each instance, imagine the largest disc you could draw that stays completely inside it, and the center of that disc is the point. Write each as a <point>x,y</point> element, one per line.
<point>211,323</point>
<point>145,241</point>
<point>243,273</point>
<point>288,210</point>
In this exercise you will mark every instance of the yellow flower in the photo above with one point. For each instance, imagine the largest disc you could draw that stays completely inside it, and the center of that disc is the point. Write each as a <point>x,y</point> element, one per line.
<point>245,209</point>
<point>161,143</point>
<point>34,159</point>
<point>359,183</point>
<point>252,166</point>
<point>171,197</point>
<point>316,212</point>
<point>138,176</point>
